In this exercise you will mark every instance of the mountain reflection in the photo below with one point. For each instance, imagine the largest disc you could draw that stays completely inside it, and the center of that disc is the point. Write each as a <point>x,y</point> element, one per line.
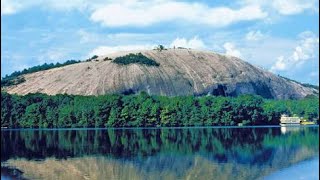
<point>154,153</point>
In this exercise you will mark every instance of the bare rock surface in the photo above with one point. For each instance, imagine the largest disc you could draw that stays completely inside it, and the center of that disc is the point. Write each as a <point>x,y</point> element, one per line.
<point>181,72</point>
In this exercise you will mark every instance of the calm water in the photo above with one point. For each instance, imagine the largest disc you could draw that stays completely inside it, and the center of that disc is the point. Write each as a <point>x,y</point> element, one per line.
<point>187,153</point>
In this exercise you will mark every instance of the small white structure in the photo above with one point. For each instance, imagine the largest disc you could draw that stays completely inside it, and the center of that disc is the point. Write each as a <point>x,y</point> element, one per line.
<point>286,120</point>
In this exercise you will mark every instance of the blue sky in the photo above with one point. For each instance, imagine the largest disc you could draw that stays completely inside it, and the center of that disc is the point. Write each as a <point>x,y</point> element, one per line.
<point>281,36</point>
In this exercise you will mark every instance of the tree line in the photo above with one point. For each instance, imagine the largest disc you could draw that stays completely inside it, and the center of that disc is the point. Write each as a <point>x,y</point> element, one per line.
<point>302,84</point>
<point>142,110</point>
<point>14,78</point>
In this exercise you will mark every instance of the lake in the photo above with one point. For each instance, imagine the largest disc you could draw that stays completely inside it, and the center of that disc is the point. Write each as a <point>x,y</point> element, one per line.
<point>166,153</point>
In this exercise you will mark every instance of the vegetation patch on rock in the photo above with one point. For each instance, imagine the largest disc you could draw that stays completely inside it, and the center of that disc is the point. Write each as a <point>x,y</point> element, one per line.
<point>135,59</point>
<point>95,57</point>
<point>107,59</point>
<point>12,81</point>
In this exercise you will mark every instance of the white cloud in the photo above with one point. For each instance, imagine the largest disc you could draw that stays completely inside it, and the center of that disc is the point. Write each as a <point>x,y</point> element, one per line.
<point>52,55</point>
<point>279,65</point>
<point>289,7</point>
<point>306,50</point>
<point>314,74</point>
<point>254,35</point>
<point>14,6</point>
<point>143,13</point>
<point>193,43</point>
<point>103,50</point>
<point>265,51</point>
<point>284,7</point>
<point>231,50</point>
<point>9,7</point>
<point>86,37</point>
<point>147,13</point>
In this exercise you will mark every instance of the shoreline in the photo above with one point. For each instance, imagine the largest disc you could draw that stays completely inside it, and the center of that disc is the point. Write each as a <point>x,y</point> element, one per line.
<point>181,127</point>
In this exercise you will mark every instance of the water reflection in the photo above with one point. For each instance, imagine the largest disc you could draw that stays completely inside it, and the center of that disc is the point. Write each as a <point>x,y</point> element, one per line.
<point>196,153</point>
<point>285,129</point>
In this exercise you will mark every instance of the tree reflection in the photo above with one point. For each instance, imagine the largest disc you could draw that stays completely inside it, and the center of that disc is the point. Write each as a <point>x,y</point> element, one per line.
<point>242,145</point>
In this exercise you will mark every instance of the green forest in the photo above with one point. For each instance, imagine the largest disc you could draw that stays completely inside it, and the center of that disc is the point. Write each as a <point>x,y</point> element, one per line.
<point>143,110</point>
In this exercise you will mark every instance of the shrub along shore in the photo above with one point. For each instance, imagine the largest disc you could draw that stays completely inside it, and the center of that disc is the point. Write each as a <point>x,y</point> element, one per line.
<point>143,110</point>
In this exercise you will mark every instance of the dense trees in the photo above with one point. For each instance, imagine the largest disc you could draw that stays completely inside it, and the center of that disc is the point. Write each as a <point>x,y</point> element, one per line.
<point>44,111</point>
<point>138,58</point>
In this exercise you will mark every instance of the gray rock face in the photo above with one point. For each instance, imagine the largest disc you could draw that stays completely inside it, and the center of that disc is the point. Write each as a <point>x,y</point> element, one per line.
<point>181,72</point>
